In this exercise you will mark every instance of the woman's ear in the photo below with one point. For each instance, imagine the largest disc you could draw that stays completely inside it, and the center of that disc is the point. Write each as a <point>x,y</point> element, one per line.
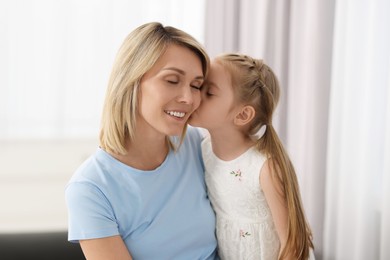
<point>244,116</point>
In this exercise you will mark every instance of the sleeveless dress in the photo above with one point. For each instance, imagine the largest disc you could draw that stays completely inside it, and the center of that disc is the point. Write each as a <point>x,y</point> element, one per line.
<point>245,228</point>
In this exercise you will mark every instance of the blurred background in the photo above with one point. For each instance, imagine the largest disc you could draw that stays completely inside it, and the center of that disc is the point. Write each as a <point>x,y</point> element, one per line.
<point>333,62</point>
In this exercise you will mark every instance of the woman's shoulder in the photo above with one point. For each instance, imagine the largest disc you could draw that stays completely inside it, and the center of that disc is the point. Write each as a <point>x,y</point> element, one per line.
<point>92,169</point>
<point>101,174</point>
<point>193,136</point>
<point>193,131</point>
<point>199,134</point>
<point>190,145</point>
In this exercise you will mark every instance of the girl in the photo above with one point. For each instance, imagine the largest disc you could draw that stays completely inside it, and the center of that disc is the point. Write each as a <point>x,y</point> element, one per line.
<point>251,181</point>
<point>137,197</point>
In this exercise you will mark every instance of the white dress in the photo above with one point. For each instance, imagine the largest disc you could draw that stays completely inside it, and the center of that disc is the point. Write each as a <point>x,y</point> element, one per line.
<point>245,228</point>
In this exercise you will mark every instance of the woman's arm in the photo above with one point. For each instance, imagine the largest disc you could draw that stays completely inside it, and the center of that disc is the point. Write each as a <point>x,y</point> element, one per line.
<point>105,248</point>
<point>273,193</point>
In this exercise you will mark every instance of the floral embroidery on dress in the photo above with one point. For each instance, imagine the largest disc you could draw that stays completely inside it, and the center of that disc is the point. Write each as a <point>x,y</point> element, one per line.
<point>244,233</point>
<point>237,174</point>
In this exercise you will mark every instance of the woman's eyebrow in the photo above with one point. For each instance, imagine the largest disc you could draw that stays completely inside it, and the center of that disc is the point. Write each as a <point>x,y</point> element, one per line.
<point>175,69</point>
<point>182,72</point>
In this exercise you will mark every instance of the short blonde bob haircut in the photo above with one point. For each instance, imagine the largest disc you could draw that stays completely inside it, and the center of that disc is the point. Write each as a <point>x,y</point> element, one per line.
<point>139,52</point>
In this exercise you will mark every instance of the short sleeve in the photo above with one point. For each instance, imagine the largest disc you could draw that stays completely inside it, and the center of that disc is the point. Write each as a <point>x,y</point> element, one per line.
<point>196,139</point>
<point>90,214</point>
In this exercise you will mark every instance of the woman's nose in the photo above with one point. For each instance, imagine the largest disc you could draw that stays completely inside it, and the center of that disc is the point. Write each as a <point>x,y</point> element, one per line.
<point>186,95</point>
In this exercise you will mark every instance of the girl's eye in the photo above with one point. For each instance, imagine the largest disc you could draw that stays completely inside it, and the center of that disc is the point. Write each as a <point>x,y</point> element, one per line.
<point>196,87</point>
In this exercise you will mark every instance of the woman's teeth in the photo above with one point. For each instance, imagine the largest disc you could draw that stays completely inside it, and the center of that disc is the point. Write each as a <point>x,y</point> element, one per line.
<point>176,114</point>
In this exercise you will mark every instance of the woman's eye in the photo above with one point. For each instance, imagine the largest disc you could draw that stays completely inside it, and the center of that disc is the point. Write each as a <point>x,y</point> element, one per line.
<point>172,81</point>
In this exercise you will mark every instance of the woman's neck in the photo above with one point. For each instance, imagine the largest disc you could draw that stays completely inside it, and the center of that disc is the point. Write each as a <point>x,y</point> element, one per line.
<point>228,145</point>
<point>145,152</point>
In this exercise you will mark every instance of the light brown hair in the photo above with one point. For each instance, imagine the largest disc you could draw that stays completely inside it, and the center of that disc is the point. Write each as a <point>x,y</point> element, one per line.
<point>139,52</point>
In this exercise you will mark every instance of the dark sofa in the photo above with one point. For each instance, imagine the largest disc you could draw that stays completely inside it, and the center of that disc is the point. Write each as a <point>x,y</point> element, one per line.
<point>40,246</point>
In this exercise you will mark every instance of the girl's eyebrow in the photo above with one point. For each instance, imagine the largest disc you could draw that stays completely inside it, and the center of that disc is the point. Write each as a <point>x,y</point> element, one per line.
<point>182,72</point>
<point>212,84</point>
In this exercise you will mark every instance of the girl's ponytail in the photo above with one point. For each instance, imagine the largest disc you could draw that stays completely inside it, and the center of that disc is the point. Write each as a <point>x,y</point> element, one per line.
<point>299,236</point>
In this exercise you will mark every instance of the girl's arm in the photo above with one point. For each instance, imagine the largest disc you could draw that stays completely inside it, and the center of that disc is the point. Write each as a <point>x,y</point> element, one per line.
<point>105,248</point>
<point>273,193</point>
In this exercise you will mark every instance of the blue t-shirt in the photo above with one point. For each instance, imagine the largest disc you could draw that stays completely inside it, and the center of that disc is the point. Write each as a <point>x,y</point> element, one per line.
<point>160,214</point>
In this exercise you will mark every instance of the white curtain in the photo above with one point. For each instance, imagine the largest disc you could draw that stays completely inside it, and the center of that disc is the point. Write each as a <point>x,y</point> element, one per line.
<point>56,57</point>
<point>333,61</point>
<point>358,178</point>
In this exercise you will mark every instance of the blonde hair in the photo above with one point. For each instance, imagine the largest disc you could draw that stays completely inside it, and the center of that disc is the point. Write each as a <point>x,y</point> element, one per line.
<point>255,84</point>
<point>139,52</point>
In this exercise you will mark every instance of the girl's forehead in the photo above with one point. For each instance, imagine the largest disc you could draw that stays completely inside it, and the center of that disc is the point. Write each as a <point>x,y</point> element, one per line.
<point>218,74</point>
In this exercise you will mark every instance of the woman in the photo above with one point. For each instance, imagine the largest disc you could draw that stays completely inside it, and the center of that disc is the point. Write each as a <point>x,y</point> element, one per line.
<point>142,194</point>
